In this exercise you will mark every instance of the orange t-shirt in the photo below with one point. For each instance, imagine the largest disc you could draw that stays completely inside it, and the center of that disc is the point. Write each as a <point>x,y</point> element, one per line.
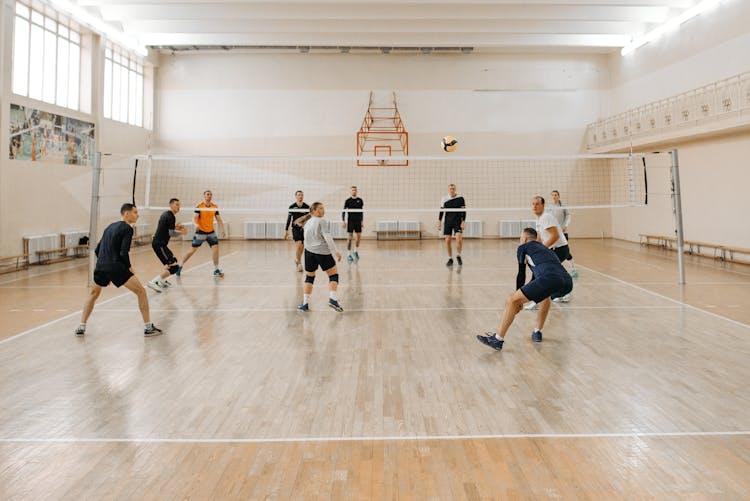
<point>206,217</point>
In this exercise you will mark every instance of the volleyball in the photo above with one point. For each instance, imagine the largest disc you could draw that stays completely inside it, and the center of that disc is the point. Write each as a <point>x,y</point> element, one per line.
<point>449,143</point>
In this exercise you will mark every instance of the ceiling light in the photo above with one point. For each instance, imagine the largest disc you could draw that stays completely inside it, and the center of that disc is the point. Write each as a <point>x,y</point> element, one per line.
<point>669,25</point>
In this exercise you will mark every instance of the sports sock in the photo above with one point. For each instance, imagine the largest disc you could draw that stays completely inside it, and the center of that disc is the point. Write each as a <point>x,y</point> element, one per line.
<point>306,298</point>
<point>148,325</point>
<point>332,295</point>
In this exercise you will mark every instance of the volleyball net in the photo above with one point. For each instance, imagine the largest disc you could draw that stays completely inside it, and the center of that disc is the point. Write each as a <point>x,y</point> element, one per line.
<point>488,184</point>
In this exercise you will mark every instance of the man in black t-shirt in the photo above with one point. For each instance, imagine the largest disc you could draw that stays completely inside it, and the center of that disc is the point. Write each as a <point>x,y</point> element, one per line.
<point>167,224</point>
<point>113,265</point>
<point>354,224</point>
<point>453,223</point>
<point>296,211</point>
<point>549,278</point>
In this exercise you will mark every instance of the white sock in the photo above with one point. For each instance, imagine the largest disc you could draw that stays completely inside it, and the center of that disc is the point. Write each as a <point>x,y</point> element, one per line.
<point>497,336</point>
<point>156,279</point>
<point>332,295</point>
<point>148,325</point>
<point>537,330</point>
<point>306,299</point>
<point>83,324</point>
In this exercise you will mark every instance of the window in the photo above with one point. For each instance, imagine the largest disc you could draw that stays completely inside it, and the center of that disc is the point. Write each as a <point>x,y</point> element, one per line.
<point>123,86</point>
<point>46,57</point>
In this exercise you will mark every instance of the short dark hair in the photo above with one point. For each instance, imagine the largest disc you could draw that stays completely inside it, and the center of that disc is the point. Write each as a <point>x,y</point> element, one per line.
<point>173,200</point>
<point>354,187</point>
<point>207,191</point>
<point>298,191</point>
<point>126,208</point>
<point>531,232</point>
<point>540,198</point>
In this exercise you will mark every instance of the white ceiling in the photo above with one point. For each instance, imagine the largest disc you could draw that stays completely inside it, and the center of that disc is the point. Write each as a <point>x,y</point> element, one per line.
<point>485,25</point>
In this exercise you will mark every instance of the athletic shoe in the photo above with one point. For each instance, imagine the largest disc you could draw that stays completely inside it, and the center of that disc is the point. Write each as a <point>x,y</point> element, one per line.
<point>179,271</point>
<point>490,340</point>
<point>557,299</point>
<point>356,256</point>
<point>80,330</point>
<point>574,274</point>
<point>151,331</point>
<point>564,299</point>
<point>449,264</point>
<point>218,273</point>
<point>303,307</point>
<point>531,306</point>
<point>335,305</point>
<point>154,286</point>
<point>459,261</point>
<point>349,258</point>
<point>536,336</point>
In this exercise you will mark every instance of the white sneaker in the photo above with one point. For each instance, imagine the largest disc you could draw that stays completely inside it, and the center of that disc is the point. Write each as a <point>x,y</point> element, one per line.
<point>565,298</point>
<point>166,284</point>
<point>531,306</point>
<point>154,286</point>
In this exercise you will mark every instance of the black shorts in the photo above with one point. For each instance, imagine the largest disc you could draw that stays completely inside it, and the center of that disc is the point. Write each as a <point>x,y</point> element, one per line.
<point>544,286</point>
<point>570,256</point>
<point>312,261</point>
<point>117,276</point>
<point>562,253</point>
<point>451,227</point>
<point>163,253</point>
<point>353,226</point>
<point>298,234</point>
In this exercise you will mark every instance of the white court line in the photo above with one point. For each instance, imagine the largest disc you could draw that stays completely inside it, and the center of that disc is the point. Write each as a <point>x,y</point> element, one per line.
<point>47,324</point>
<point>366,310</point>
<point>407,438</point>
<point>686,305</point>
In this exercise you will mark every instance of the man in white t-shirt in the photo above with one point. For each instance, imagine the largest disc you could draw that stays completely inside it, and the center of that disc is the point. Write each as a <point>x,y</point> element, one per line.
<point>551,235</point>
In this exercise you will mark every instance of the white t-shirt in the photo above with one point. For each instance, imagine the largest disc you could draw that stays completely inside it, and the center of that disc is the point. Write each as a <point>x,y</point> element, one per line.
<point>543,223</point>
<point>318,240</point>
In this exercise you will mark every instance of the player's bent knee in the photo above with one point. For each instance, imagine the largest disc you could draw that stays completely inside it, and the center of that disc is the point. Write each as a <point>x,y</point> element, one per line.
<point>173,269</point>
<point>309,279</point>
<point>333,278</point>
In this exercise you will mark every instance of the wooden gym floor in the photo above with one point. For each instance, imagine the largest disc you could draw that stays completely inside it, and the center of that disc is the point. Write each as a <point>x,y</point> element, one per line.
<point>639,390</point>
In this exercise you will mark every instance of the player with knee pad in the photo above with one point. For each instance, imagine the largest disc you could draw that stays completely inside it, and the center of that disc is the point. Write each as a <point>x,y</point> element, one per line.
<point>159,243</point>
<point>319,251</point>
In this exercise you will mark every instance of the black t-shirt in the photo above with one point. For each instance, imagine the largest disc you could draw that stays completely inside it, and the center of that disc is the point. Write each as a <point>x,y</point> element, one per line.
<point>541,260</point>
<point>296,212</point>
<point>456,202</point>
<point>166,222</point>
<point>112,250</point>
<point>353,203</point>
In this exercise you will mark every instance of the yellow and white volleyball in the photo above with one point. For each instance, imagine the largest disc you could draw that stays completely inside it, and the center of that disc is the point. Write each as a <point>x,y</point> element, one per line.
<point>449,143</point>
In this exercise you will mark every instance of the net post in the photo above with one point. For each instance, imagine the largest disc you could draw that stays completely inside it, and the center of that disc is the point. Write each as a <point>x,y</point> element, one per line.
<point>677,208</point>
<point>94,215</point>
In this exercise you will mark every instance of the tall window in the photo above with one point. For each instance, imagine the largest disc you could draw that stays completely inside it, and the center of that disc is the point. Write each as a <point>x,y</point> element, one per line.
<point>123,86</point>
<point>46,57</point>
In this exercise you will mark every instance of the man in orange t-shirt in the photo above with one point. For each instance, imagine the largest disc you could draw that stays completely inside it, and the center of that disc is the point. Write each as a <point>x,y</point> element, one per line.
<point>205,212</point>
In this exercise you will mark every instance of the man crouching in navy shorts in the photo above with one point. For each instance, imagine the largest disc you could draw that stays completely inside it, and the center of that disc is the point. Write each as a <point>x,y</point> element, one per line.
<point>550,278</point>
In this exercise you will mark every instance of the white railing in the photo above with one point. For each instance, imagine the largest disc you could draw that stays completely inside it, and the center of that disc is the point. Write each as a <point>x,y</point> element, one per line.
<point>696,108</point>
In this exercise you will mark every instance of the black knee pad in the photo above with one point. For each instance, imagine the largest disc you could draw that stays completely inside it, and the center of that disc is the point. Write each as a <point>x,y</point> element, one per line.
<point>333,278</point>
<point>173,269</point>
<point>309,279</point>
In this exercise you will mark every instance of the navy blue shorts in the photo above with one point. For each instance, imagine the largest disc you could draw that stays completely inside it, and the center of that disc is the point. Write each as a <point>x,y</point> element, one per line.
<point>312,261</point>
<point>117,275</point>
<point>542,287</point>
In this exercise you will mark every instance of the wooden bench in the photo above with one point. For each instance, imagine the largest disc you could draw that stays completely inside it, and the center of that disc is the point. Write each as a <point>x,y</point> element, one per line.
<point>49,256</point>
<point>659,240</point>
<point>14,263</point>
<point>732,251</point>
<point>694,247</point>
<point>143,239</point>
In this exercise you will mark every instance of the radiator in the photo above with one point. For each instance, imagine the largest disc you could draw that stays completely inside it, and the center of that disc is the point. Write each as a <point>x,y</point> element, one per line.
<point>255,230</point>
<point>142,229</point>
<point>510,229</point>
<point>472,229</point>
<point>33,243</point>
<point>408,226</point>
<point>334,227</point>
<point>190,227</point>
<point>274,229</point>
<point>70,239</point>
<point>386,226</point>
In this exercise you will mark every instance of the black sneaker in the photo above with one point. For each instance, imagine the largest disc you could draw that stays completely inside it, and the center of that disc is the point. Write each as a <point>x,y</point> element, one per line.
<point>490,340</point>
<point>536,336</point>
<point>335,305</point>
<point>459,261</point>
<point>449,264</point>
<point>80,330</point>
<point>151,331</point>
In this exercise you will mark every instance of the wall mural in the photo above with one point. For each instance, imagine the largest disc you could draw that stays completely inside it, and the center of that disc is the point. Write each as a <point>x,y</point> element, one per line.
<point>41,136</point>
